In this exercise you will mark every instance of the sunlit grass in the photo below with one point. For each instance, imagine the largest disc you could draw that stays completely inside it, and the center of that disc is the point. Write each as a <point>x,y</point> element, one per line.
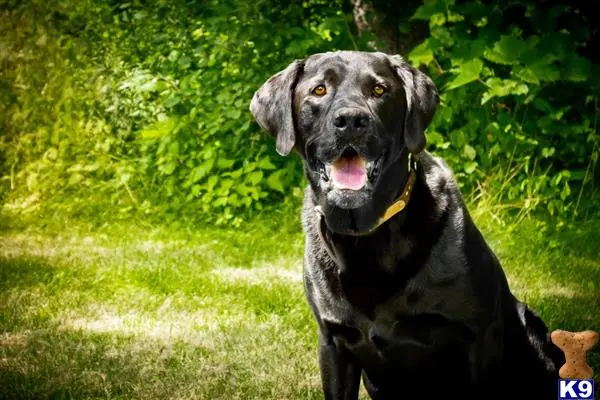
<point>140,311</point>
<point>143,312</point>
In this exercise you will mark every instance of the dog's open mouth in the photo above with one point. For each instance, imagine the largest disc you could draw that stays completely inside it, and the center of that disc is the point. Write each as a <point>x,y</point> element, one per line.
<point>350,171</point>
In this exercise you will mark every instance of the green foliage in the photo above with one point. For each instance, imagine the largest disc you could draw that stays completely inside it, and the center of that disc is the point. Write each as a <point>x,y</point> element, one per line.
<point>148,110</point>
<point>116,108</point>
<point>519,107</point>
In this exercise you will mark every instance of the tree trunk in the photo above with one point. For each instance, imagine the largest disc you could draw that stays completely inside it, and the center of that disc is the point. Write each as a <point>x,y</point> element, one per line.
<point>380,21</point>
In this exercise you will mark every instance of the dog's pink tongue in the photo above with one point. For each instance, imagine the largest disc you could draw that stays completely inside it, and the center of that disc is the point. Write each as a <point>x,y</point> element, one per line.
<point>349,173</point>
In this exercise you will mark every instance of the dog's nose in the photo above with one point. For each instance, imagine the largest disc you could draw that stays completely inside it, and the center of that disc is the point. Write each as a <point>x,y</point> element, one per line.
<point>351,118</point>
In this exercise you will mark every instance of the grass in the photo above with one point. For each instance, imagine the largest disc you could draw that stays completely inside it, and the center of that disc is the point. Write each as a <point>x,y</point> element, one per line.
<point>140,311</point>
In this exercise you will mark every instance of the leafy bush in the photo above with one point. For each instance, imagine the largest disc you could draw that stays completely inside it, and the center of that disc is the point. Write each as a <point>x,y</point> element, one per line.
<point>116,108</point>
<point>518,101</point>
<point>152,108</point>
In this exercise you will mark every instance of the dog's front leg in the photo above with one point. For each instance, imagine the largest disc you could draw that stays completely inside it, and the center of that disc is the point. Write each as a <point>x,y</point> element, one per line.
<point>485,355</point>
<point>340,372</point>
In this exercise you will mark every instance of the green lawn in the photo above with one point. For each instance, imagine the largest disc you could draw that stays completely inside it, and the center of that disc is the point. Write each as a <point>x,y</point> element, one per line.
<point>139,311</point>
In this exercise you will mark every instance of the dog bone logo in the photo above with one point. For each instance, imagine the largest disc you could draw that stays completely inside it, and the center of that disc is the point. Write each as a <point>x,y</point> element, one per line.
<point>575,345</point>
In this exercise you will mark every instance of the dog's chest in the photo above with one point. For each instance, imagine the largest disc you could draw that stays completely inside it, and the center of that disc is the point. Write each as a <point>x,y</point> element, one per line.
<point>398,335</point>
<point>418,324</point>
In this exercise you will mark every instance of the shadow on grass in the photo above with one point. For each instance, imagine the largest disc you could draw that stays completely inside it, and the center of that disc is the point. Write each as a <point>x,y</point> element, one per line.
<point>55,363</point>
<point>259,347</point>
<point>25,272</point>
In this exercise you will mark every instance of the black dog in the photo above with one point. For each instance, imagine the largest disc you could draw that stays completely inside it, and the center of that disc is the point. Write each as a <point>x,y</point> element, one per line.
<point>403,286</point>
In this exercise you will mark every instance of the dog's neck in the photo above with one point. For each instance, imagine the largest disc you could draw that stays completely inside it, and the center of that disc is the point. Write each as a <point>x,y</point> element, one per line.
<point>398,205</point>
<point>370,267</point>
<point>395,209</point>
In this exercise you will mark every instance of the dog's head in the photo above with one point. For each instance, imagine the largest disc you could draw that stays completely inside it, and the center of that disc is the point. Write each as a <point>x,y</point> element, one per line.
<point>353,117</point>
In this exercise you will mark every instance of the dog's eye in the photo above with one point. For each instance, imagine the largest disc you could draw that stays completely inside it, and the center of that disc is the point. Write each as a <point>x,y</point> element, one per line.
<point>378,90</point>
<point>320,90</point>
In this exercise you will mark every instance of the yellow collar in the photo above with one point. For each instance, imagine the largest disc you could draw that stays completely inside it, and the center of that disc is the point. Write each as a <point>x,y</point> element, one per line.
<point>402,201</point>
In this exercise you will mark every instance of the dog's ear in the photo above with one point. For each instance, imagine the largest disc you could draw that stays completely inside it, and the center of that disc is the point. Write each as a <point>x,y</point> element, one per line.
<point>271,106</point>
<point>422,100</point>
